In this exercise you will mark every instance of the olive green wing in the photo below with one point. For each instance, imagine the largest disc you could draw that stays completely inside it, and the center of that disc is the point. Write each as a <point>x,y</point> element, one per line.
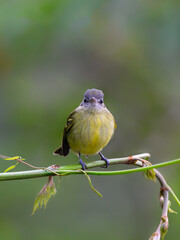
<point>115,125</point>
<point>64,149</point>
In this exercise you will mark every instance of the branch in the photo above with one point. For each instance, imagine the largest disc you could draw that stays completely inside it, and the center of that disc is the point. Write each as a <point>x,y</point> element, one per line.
<point>164,223</point>
<point>137,160</point>
<point>72,169</point>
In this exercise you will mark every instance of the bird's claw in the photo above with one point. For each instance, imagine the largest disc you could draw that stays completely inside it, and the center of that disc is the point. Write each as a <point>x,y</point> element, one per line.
<point>104,159</point>
<point>83,164</point>
<point>106,163</point>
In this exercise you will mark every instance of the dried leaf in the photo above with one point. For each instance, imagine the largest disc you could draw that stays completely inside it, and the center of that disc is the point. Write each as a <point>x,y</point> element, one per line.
<point>44,195</point>
<point>150,174</point>
<point>169,208</point>
<point>164,227</point>
<point>171,211</point>
<point>11,167</point>
<point>13,158</point>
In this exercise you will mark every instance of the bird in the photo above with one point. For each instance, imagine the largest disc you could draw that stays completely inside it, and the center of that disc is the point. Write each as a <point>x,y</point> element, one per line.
<point>89,128</point>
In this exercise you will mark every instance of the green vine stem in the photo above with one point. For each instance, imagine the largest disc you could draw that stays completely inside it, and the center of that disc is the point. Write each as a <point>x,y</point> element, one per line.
<point>72,169</point>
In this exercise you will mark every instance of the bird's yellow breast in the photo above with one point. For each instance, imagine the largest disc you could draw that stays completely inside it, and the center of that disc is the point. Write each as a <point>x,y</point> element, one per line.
<point>91,131</point>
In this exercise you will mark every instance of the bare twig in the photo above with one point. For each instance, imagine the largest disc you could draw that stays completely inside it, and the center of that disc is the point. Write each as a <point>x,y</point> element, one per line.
<point>164,202</point>
<point>164,198</point>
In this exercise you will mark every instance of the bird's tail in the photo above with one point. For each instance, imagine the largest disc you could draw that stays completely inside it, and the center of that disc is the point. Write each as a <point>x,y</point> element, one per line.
<point>58,151</point>
<point>62,150</point>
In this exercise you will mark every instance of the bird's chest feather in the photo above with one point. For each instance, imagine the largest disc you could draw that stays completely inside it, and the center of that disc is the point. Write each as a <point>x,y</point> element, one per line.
<point>91,132</point>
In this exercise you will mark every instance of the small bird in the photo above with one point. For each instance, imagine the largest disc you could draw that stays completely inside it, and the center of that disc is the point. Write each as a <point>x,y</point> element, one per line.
<point>89,128</point>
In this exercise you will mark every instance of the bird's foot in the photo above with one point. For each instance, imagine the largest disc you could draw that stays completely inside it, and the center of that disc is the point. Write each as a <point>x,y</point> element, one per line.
<point>82,164</point>
<point>105,159</point>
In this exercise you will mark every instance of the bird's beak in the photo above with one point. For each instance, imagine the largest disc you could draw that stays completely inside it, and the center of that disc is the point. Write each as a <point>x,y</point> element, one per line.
<point>93,100</point>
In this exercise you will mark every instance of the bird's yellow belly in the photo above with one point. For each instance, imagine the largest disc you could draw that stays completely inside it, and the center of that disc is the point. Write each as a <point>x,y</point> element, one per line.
<point>91,132</point>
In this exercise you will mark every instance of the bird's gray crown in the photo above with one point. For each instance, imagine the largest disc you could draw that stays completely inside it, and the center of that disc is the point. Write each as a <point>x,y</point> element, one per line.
<point>90,93</point>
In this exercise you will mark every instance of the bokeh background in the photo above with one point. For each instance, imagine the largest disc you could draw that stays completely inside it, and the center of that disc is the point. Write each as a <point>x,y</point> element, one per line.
<point>51,51</point>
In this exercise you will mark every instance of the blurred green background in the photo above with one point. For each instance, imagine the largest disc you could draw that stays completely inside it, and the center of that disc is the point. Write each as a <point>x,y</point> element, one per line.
<point>51,51</point>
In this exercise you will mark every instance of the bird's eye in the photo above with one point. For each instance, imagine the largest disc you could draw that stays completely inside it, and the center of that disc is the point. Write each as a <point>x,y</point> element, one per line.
<point>85,100</point>
<point>101,101</point>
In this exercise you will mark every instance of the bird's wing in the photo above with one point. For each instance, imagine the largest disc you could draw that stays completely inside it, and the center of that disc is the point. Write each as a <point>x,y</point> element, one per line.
<point>70,122</point>
<point>65,146</point>
<point>64,149</point>
<point>115,125</point>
